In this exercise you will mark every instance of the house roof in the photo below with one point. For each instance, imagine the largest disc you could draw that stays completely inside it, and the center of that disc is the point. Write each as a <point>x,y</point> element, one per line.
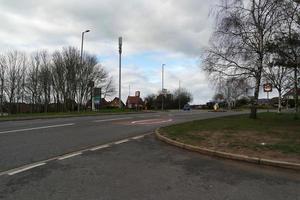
<point>292,92</point>
<point>134,100</point>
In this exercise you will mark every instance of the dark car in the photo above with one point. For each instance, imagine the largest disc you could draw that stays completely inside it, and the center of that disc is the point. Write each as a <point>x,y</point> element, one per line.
<point>186,107</point>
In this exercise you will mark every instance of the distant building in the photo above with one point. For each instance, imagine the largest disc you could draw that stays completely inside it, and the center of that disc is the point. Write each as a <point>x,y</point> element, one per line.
<point>135,101</point>
<point>291,94</point>
<point>115,103</point>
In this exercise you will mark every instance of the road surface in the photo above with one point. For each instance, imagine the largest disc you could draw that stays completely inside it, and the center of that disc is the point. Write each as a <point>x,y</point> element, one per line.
<point>117,157</point>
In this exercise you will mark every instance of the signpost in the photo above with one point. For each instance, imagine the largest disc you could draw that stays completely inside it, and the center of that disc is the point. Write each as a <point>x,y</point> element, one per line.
<point>97,97</point>
<point>268,89</point>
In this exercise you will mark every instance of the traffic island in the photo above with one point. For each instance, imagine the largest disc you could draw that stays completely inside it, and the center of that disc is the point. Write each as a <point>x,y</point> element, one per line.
<point>272,139</point>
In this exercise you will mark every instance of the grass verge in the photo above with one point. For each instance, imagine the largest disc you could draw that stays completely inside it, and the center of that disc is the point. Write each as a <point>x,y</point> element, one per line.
<point>272,135</point>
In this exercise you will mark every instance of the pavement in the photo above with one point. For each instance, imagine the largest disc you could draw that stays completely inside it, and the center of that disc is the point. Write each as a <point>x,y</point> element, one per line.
<point>117,157</point>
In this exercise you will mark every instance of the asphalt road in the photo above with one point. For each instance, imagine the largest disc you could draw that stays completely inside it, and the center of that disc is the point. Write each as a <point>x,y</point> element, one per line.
<point>110,161</point>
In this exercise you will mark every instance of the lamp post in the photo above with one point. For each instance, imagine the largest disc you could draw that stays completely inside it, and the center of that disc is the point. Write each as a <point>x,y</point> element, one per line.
<point>81,52</point>
<point>120,63</point>
<point>162,85</point>
<point>82,38</point>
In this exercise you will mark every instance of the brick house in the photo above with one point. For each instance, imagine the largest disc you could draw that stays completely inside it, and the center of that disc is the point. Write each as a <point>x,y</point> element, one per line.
<point>135,102</point>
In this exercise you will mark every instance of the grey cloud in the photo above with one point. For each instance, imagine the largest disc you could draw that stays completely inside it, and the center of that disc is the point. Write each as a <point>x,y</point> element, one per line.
<point>177,26</point>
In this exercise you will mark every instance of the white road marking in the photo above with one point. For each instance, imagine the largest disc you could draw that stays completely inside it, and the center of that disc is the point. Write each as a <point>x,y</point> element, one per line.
<point>25,169</point>
<point>69,156</point>
<point>100,147</point>
<point>114,119</point>
<point>151,121</point>
<point>138,137</point>
<point>36,128</point>
<point>121,141</point>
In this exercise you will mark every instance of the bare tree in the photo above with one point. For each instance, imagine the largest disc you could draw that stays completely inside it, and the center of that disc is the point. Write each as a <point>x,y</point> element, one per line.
<point>45,78</point>
<point>32,80</point>
<point>233,89</point>
<point>3,67</point>
<point>286,43</point>
<point>280,78</point>
<point>59,79</point>
<point>243,31</point>
<point>109,88</point>
<point>14,61</point>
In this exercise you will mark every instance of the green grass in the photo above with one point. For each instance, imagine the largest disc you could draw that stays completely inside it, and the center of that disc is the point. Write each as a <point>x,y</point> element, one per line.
<point>280,132</point>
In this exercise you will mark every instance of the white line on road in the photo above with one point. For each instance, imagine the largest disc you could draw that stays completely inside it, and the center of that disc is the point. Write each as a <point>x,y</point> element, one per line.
<point>69,156</point>
<point>36,128</point>
<point>138,137</point>
<point>151,121</point>
<point>100,147</point>
<point>114,119</point>
<point>25,168</point>
<point>121,141</point>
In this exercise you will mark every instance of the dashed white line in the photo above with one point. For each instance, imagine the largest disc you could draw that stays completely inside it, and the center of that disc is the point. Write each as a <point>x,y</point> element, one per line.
<point>121,141</point>
<point>69,156</point>
<point>138,137</point>
<point>100,147</point>
<point>25,169</point>
<point>114,119</point>
<point>36,128</point>
<point>151,121</point>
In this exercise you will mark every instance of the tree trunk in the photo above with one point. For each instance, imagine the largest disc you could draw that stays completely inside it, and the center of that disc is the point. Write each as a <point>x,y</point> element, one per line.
<point>253,113</point>
<point>1,105</point>
<point>279,101</point>
<point>296,90</point>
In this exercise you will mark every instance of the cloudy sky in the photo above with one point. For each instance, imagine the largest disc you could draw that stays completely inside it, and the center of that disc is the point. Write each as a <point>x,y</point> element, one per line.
<point>154,32</point>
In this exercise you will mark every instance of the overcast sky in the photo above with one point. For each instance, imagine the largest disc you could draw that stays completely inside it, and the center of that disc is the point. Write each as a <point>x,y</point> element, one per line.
<point>155,31</point>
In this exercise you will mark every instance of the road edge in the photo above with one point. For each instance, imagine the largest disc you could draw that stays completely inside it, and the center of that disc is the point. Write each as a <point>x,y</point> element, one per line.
<point>70,116</point>
<point>238,157</point>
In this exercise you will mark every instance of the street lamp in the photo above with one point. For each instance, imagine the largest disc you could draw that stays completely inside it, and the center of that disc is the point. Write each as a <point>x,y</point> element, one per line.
<point>162,85</point>
<point>120,62</point>
<point>82,38</point>
<point>81,52</point>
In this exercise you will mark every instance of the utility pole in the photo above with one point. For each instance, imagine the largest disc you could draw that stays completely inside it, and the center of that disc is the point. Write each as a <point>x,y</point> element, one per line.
<point>162,86</point>
<point>120,63</point>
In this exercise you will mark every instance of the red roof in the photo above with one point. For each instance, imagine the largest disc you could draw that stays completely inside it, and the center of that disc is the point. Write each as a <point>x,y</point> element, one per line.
<point>292,92</point>
<point>134,100</point>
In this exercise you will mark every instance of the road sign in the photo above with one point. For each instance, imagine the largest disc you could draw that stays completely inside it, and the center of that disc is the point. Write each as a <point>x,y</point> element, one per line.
<point>267,87</point>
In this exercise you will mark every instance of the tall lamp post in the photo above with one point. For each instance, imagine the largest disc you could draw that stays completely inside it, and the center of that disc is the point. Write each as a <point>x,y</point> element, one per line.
<point>162,85</point>
<point>82,38</point>
<point>120,63</point>
<point>81,52</point>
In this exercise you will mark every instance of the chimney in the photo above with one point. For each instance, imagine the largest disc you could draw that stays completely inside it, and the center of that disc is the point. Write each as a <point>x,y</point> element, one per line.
<point>137,93</point>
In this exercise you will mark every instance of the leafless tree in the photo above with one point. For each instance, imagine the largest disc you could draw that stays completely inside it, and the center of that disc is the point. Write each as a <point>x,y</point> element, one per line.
<point>233,89</point>
<point>286,43</point>
<point>239,46</point>
<point>3,67</point>
<point>280,78</point>
<point>45,78</point>
<point>109,88</point>
<point>32,80</point>
<point>14,62</point>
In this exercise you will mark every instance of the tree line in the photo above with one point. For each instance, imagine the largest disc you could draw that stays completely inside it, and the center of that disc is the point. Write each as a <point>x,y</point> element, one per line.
<point>171,100</point>
<point>257,41</point>
<point>60,81</point>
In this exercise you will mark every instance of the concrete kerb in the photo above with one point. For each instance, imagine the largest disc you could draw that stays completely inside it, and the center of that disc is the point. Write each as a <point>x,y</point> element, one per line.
<point>210,152</point>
